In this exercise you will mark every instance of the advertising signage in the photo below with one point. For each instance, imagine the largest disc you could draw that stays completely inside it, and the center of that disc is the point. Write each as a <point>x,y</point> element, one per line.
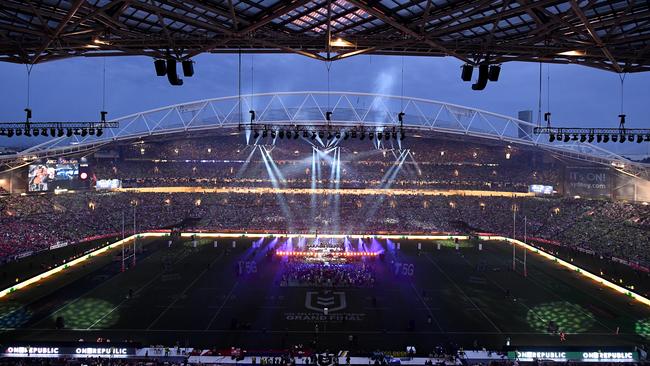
<point>66,351</point>
<point>574,356</point>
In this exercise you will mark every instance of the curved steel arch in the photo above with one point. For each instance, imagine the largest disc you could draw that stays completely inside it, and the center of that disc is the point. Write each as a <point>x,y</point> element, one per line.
<point>308,108</point>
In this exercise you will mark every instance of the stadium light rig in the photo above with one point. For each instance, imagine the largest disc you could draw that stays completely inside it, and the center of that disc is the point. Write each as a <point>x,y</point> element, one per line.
<point>589,135</point>
<point>326,129</point>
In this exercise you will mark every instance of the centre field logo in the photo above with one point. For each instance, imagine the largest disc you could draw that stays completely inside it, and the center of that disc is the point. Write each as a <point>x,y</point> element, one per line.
<point>318,301</point>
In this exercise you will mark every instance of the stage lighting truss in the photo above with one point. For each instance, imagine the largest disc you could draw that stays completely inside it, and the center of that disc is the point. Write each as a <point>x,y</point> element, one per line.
<point>292,131</point>
<point>599,135</point>
<point>55,129</point>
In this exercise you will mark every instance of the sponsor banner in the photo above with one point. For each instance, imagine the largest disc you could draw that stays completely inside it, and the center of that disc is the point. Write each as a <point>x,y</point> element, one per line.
<point>106,184</point>
<point>24,254</point>
<point>57,351</point>
<point>588,181</point>
<point>631,264</point>
<point>574,356</point>
<point>59,244</point>
<point>584,250</point>
<point>540,189</point>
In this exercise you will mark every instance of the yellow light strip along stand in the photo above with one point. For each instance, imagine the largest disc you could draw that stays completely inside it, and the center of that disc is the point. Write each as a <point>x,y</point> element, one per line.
<point>579,270</point>
<point>73,262</point>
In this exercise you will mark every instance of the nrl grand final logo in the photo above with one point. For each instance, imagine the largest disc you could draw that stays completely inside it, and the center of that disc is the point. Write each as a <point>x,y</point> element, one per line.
<point>319,301</point>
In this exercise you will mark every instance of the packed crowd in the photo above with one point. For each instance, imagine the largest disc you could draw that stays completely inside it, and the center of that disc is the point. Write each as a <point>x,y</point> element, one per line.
<point>227,161</point>
<point>608,228</point>
<point>300,273</point>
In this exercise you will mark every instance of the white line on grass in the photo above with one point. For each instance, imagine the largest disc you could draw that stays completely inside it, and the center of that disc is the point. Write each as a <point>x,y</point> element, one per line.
<point>184,291</point>
<point>426,306</point>
<point>222,305</point>
<point>462,292</point>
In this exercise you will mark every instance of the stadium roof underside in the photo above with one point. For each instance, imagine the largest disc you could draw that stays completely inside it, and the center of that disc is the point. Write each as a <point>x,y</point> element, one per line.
<point>606,34</point>
<point>304,109</point>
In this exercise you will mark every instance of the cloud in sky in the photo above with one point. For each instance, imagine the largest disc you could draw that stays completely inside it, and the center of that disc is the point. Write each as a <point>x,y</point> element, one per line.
<point>72,89</point>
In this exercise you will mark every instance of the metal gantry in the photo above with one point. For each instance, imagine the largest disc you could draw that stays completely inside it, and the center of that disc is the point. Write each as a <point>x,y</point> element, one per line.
<point>309,109</point>
<point>606,34</point>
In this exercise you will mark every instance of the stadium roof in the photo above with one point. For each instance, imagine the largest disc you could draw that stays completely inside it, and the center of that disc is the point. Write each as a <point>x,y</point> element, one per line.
<point>307,109</point>
<point>606,34</point>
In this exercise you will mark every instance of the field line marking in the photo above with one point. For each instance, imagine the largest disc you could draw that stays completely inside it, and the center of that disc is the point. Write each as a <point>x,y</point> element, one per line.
<point>136,292</point>
<point>76,299</point>
<point>222,305</point>
<point>462,292</point>
<point>426,306</point>
<point>185,290</point>
<point>558,296</point>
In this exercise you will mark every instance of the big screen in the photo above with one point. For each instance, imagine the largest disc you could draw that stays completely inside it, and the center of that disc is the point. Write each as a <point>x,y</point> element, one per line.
<point>53,173</point>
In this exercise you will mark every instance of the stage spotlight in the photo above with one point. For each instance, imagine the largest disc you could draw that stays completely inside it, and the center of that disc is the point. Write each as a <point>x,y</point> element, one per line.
<point>313,135</point>
<point>363,135</point>
<point>354,134</point>
<point>91,131</point>
<point>3,131</point>
<point>288,133</point>
<point>394,135</point>
<point>69,132</point>
<point>346,135</point>
<point>19,132</point>
<point>614,138</point>
<point>281,134</point>
<point>296,134</point>
<point>567,137</point>
<point>84,132</point>
<point>305,134</point>
<point>591,138</point>
<point>371,135</point>
<point>59,132</point>
<point>161,69</point>
<point>188,68</point>
<point>551,137</point>
<point>27,132</point>
<point>321,134</point>
<point>10,132</point>
<point>630,138</point>
<point>493,74</point>
<point>647,138</point>
<point>387,136</point>
<point>265,133</point>
<point>583,137</point>
<point>379,136</point>
<point>35,132</point>
<point>256,134</point>
<point>466,72</point>
<point>575,137</point>
<point>329,135</point>
<point>273,134</point>
<point>338,134</point>
<point>52,131</point>
<point>606,138</point>
<point>44,131</point>
<point>482,80</point>
<point>622,139</point>
<point>639,139</point>
<point>599,138</point>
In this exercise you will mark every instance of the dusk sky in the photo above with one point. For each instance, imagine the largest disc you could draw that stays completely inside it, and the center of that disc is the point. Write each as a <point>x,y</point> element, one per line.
<point>72,89</point>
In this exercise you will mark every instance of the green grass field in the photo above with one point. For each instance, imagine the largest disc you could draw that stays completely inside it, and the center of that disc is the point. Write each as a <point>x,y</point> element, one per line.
<point>195,296</point>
